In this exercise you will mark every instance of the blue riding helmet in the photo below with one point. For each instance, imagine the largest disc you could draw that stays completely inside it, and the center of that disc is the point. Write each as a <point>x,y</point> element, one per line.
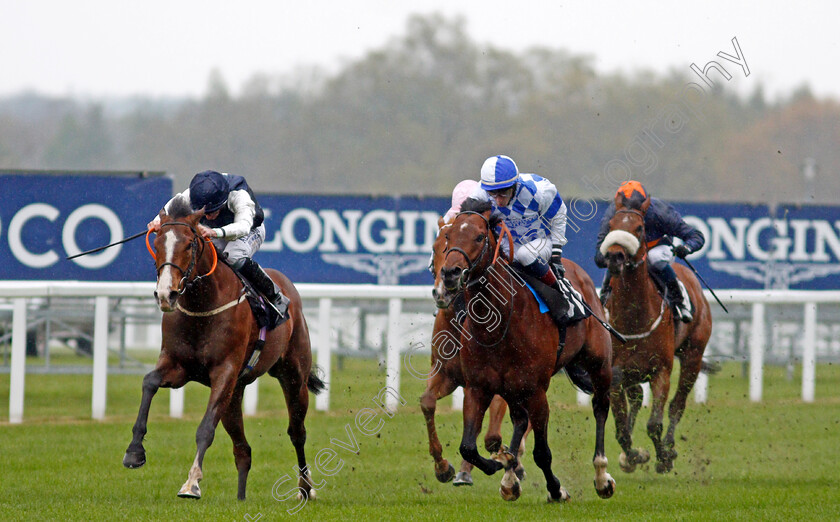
<point>209,190</point>
<point>498,172</point>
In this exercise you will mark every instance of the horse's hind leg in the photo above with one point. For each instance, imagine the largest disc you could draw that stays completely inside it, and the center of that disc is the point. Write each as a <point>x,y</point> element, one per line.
<point>437,386</point>
<point>538,413</point>
<point>297,402</point>
<point>689,370</point>
<point>496,412</point>
<point>165,374</point>
<point>232,421</point>
<point>222,384</point>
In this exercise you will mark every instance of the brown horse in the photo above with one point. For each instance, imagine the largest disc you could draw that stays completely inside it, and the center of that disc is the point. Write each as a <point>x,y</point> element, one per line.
<point>639,312</point>
<point>209,336</point>
<point>509,348</point>
<point>445,376</point>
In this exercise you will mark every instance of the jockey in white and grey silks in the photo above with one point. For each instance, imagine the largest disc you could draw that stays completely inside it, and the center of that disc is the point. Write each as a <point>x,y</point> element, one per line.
<point>233,220</point>
<point>533,211</point>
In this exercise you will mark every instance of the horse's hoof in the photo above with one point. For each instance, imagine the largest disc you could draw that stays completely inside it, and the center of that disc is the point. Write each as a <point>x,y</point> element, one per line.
<point>664,466</point>
<point>510,493</point>
<point>446,476</point>
<point>564,496</point>
<point>642,456</point>
<point>133,460</point>
<point>463,478</point>
<point>608,490</point>
<point>309,496</point>
<point>627,465</point>
<point>520,472</point>
<point>190,492</point>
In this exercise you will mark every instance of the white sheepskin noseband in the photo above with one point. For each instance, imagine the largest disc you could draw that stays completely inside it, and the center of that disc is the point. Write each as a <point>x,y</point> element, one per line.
<point>621,238</point>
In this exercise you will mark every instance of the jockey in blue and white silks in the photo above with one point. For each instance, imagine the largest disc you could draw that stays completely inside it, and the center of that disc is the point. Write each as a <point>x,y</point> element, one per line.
<point>533,211</point>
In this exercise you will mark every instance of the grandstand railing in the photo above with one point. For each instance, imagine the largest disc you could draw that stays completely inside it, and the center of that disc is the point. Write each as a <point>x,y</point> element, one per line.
<point>16,295</point>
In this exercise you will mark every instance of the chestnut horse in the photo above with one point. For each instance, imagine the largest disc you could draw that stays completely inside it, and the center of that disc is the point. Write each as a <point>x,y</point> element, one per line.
<point>509,348</point>
<point>640,313</point>
<point>209,336</point>
<point>445,376</point>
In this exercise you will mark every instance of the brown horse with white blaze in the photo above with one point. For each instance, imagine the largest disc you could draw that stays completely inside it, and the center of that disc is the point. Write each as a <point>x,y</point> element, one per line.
<point>509,348</point>
<point>639,312</point>
<point>209,335</point>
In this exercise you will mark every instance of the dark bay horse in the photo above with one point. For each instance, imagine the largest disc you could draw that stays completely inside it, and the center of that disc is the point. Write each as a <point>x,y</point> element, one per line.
<point>446,376</point>
<point>209,336</point>
<point>509,348</point>
<point>639,312</point>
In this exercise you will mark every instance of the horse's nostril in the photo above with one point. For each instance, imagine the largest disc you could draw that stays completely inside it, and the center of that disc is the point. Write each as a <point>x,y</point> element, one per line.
<point>156,294</point>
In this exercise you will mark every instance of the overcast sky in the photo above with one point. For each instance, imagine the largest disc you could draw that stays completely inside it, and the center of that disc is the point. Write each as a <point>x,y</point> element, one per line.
<point>169,47</point>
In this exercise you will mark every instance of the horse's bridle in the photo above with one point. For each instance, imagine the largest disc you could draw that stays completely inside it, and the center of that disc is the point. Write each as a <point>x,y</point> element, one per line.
<point>471,264</point>
<point>484,248</point>
<point>632,264</point>
<point>185,281</point>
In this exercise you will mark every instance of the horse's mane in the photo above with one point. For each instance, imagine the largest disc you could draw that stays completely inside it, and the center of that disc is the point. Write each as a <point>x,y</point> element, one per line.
<point>480,207</point>
<point>179,207</point>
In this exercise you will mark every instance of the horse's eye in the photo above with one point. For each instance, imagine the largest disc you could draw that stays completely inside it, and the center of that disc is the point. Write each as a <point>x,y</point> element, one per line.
<point>189,246</point>
<point>480,238</point>
<point>639,229</point>
<point>446,236</point>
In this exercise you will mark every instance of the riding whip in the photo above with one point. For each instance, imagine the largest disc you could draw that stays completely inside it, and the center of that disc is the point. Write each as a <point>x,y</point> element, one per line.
<point>135,236</point>
<point>605,324</point>
<point>688,263</point>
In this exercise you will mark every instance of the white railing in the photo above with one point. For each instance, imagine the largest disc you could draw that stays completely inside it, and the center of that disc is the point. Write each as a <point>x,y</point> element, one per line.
<point>20,292</point>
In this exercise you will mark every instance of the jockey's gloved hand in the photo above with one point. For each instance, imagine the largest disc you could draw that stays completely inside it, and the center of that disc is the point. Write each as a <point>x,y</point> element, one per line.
<point>557,259</point>
<point>681,251</point>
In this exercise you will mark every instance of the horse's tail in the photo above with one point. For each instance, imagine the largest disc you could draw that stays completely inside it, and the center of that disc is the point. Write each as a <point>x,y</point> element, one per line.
<point>314,383</point>
<point>710,368</point>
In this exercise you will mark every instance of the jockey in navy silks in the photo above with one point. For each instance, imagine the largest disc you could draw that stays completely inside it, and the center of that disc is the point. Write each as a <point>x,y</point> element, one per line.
<point>233,220</point>
<point>533,211</point>
<point>662,224</point>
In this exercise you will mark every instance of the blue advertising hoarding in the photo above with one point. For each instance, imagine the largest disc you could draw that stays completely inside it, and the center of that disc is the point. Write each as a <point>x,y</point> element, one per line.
<point>387,240</point>
<point>379,240</point>
<point>47,217</point>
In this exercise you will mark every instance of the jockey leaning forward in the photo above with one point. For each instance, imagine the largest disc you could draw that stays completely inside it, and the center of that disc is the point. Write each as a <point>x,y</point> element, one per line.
<point>533,211</point>
<point>662,224</point>
<point>233,220</point>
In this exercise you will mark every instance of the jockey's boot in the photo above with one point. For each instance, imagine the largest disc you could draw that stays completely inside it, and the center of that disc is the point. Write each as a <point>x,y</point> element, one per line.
<point>675,296</point>
<point>266,286</point>
<point>606,289</point>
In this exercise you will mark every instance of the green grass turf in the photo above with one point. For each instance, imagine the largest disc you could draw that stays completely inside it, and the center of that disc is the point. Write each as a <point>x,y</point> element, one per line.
<point>737,460</point>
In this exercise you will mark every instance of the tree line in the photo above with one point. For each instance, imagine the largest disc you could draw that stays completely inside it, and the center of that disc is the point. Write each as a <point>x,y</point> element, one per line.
<point>422,112</point>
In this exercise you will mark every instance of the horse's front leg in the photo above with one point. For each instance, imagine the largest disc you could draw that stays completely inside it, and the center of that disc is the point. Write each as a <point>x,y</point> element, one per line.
<point>476,402</point>
<point>438,386</point>
<point>660,385</point>
<point>165,374</point>
<point>509,457</point>
<point>222,384</point>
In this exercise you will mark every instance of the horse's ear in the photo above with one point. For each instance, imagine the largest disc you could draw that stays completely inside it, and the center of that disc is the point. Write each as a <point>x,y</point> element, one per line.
<point>441,222</point>
<point>645,205</point>
<point>162,214</point>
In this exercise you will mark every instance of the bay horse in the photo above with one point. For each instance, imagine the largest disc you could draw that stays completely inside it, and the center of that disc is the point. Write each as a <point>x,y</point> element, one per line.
<point>509,348</point>
<point>446,375</point>
<point>209,335</point>
<point>640,313</point>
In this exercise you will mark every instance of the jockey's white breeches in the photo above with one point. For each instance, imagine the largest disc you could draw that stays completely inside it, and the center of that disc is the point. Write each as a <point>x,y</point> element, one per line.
<point>660,256</point>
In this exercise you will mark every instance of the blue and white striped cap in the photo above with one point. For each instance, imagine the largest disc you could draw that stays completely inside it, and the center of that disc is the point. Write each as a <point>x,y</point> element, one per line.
<point>498,172</point>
